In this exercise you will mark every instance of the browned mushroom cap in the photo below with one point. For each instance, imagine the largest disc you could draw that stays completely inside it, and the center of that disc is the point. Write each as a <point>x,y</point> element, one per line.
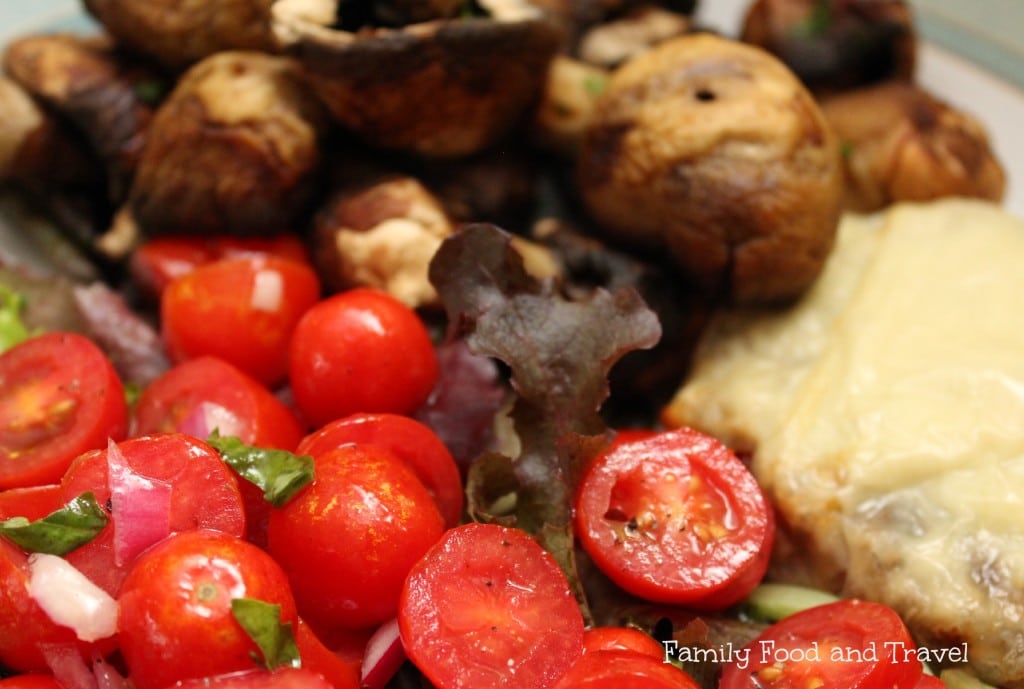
<point>611,43</point>
<point>402,12</point>
<point>571,92</point>
<point>177,33</point>
<point>900,143</point>
<point>440,88</point>
<point>712,150</point>
<point>233,149</point>
<point>87,82</point>
<point>836,44</point>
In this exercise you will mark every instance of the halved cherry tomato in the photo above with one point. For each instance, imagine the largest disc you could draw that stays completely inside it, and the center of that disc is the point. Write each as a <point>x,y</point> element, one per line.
<point>31,682</point>
<point>675,518</point>
<point>410,440</point>
<point>59,396</point>
<point>488,608</point>
<point>360,351</point>
<point>848,644</point>
<point>624,670</point>
<point>341,673</point>
<point>204,495</point>
<point>926,682</point>
<point>622,639</point>
<point>34,502</point>
<point>161,260</point>
<point>242,310</point>
<point>283,678</point>
<point>25,628</point>
<point>175,620</point>
<point>348,539</point>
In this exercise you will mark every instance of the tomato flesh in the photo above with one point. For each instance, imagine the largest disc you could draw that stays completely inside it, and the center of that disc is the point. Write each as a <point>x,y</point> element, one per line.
<point>623,669</point>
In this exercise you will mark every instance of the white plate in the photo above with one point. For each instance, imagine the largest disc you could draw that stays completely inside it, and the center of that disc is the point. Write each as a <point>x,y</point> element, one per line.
<point>996,102</point>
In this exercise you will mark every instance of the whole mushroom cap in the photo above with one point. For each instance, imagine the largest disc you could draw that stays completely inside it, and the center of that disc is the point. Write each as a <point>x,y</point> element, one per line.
<point>712,151</point>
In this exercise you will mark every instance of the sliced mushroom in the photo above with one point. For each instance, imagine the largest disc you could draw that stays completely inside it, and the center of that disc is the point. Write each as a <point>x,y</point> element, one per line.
<point>834,45</point>
<point>713,151</point>
<point>177,33</point>
<point>233,150</point>
<point>611,43</point>
<point>900,143</point>
<point>382,235</point>
<point>439,88</point>
<point>88,82</point>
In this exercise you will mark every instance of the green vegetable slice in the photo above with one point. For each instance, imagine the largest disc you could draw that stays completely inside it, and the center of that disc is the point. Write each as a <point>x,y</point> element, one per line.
<point>12,328</point>
<point>772,602</point>
<point>61,531</point>
<point>278,473</point>
<point>275,639</point>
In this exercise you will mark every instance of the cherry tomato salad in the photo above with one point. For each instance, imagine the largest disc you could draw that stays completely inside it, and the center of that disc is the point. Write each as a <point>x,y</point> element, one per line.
<point>280,507</point>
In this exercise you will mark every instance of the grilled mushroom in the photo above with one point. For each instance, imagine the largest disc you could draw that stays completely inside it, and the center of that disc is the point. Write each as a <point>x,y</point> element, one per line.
<point>447,87</point>
<point>713,151</point>
<point>234,149</point>
<point>900,143</point>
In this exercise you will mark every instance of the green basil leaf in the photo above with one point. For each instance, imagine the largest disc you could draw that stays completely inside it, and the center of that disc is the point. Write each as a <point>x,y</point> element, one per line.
<point>279,473</point>
<point>262,622</point>
<point>12,328</point>
<point>61,531</point>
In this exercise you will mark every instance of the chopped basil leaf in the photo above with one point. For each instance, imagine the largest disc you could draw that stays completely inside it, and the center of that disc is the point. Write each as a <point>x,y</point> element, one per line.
<point>846,149</point>
<point>262,622</point>
<point>817,23</point>
<point>61,531</point>
<point>279,473</point>
<point>150,91</point>
<point>12,329</point>
<point>594,84</point>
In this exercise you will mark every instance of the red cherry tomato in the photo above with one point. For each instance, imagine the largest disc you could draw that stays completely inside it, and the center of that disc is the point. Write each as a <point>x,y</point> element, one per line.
<point>926,682</point>
<point>204,495</point>
<point>59,396</point>
<point>34,502</point>
<point>242,310</point>
<point>25,628</point>
<point>624,670</point>
<point>31,682</point>
<point>174,610</point>
<point>348,540</point>
<point>360,351</point>
<point>341,673</point>
<point>283,678</point>
<point>675,518</point>
<point>844,645</point>
<point>622,639</point>
<point>160,260</point>
<point>410,440</point>
<point>488,608</point>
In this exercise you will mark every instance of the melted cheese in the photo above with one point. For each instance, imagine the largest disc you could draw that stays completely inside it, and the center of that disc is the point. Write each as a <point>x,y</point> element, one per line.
<point>885,415</point>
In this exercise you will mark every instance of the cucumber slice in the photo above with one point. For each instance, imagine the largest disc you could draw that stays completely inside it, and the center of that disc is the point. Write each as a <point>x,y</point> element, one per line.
<point>961,679</point>
<point>772,602</point>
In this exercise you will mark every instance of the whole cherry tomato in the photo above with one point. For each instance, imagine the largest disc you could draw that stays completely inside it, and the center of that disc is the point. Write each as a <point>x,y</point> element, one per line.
<point>488,608</point>
<point>282,678</point>
<point>59,396</point>
<point>31,682</point>
<point>348,539</point>
<point>848,644</point>
<point>242,310</point>
<point>175,618</point>
<point>675,518</point>
<point>360,351</point>
<point>33,502</point>
<point>624,670</point>
<point>622,639</point>
<point>410,440</point>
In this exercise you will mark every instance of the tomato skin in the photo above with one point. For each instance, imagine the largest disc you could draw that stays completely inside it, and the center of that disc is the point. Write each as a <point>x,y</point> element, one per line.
<point>468,618</point>
<point>360,351</point>
<point>844,626</point>
<point>179,592</point>
<point>340,673</point>
<point>618,669</point>
<point>622,639</point>
<point>24,626</point>
<point>675,518</point>
<point>411,441</point>
<point>160,260</point>
<point>283,678</point>
<point>31,682</point>
<point>926,682</point>
<point>34,502</point>
<point>59,397</point>
<point>211,311</point>
<point>204,495</point>
<point>348,539</point>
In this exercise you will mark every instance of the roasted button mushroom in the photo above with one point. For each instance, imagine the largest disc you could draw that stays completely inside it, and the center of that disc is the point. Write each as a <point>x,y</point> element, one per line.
<point>440,88</point>
<point>177,33</point>
<point>614,42</point>
<point>900,143</point>
<point>570,96</point>
<point>714,151</point>
<point>234,149</point>
<point>836,44</point>
<point>87,82</point>
<point>382,235</point>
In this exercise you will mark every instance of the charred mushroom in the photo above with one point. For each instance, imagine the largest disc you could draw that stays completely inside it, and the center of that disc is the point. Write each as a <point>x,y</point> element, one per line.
<point>713,151</point>
<point>177,33</point>
<point>234,149</point>
<point>447,87</point>
<point>900,143</point>
<point>834,45</point>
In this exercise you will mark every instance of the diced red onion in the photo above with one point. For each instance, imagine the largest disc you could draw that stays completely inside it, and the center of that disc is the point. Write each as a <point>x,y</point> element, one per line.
<point>207,416</point>
<point>107,676</point>
<point>140,506</point>
<point>384,656</point>
<point>68,667</point>
<point>70,599</point>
